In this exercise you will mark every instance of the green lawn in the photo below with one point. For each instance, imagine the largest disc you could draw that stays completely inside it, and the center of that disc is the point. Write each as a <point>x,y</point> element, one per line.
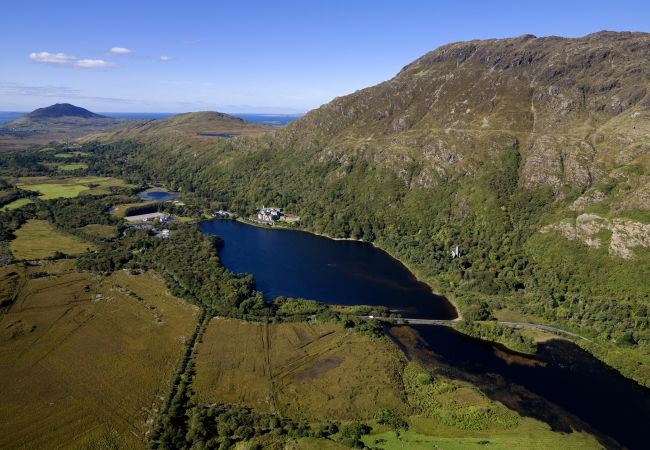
<point>121,209</point>
<point>72,166</point>
<point>57,187</point>
<point>426,434</point>
<point>55,190</point>
<point>16,204</point>
<point>38,239</point>
<point>70,154</point>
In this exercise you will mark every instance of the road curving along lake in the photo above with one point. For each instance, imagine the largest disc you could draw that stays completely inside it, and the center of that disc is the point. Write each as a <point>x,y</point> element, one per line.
<point>561,385</point>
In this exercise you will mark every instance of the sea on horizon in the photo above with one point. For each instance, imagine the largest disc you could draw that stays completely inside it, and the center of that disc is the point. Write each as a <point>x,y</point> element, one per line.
<point>267,119</point>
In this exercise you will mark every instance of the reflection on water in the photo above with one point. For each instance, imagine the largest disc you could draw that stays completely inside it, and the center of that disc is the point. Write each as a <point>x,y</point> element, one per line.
<point>561,385</point>
<point>297,264</point>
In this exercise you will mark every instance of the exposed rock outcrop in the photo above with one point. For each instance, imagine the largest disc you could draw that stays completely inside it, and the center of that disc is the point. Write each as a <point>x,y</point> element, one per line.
<point>625,234</point>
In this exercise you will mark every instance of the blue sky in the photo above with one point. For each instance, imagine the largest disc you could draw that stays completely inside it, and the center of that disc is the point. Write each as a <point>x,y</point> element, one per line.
<point>252,56</point>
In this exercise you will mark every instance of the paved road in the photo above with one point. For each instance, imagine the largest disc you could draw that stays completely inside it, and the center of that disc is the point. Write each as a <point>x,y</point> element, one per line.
<point>450,323</point>
<point>541,327</point>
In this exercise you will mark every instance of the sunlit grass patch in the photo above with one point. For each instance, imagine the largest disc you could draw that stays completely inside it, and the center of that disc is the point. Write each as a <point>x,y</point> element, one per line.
<point>16,204</point>
<point>38,239</point>
<point>49,190</point>
<point>72,166</point>
<point>68,187</point>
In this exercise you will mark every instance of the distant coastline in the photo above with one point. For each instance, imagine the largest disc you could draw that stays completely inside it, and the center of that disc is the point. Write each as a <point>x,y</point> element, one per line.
<point>266,119</point>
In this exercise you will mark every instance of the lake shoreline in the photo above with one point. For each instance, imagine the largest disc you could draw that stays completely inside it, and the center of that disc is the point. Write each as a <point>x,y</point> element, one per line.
<point>418,276</point>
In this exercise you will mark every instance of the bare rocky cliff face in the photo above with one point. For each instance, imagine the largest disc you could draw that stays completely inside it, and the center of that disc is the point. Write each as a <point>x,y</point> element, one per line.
<point>623,235</point>
<point>577,108</point>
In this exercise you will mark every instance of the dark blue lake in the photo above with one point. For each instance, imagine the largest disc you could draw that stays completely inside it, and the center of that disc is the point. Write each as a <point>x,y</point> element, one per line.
<point>159,196</point>
<point>561,385</point>
<point>298,264</point>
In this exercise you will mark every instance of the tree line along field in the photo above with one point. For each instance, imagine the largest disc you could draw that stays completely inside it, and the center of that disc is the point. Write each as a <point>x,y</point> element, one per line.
<point>85,362</point>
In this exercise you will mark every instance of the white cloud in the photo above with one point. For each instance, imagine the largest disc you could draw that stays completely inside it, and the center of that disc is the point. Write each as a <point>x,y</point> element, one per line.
<point>62,59</point>
<point>165,58</point>
<point>119,51</point>
<point>94,64</point>
<point>51,58</point>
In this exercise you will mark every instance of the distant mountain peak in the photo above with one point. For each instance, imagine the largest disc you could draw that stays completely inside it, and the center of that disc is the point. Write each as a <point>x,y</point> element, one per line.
<point>63,110</point>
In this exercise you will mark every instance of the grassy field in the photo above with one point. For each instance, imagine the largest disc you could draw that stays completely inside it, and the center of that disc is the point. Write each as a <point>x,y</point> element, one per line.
<point>38,239</point>
<point>314,371</point>
<point>16,204</point>
<point>84,362</point>
<point>314,444</point>
<point>120,210</point>
<point>64,155</point>
<point>56,187</point>
<point>426,435</point>
<point>322,372</point>
<point>99,231</point>
<point>72,166</point>
<point>55,190</point>
<point>451,414</point>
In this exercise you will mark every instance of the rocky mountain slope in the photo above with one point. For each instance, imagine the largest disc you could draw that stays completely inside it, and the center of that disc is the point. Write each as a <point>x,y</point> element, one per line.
<point>576,107</point>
